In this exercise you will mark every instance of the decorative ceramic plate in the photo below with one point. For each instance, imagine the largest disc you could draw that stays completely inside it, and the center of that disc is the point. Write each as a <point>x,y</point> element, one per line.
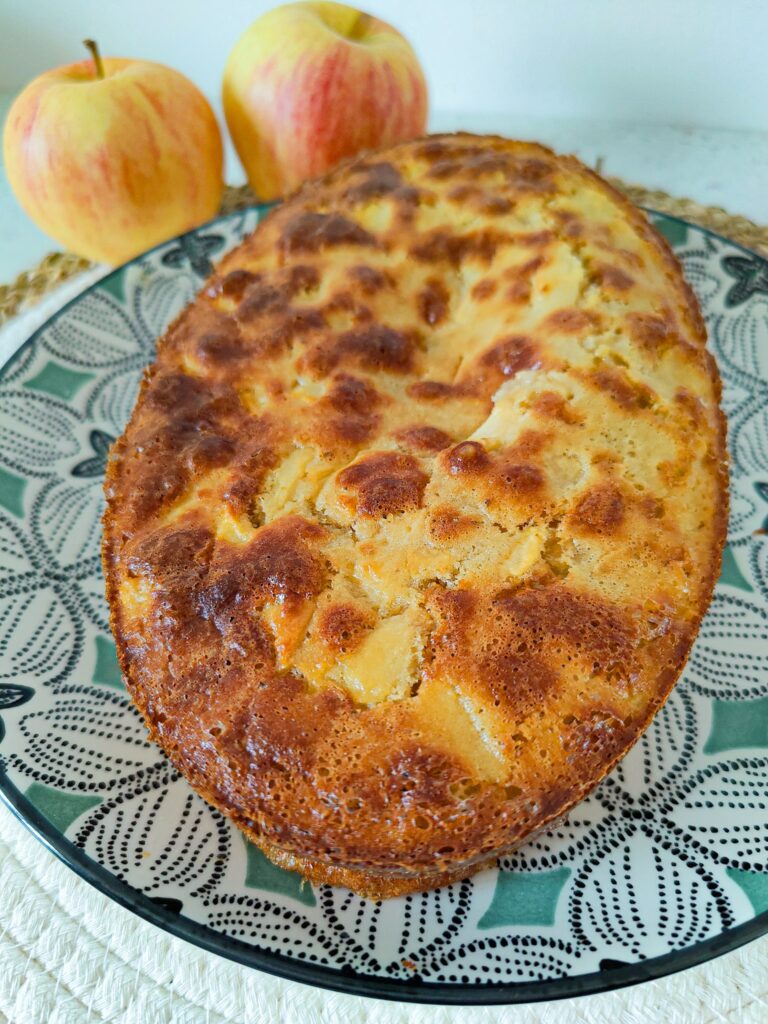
<point>663,866</point>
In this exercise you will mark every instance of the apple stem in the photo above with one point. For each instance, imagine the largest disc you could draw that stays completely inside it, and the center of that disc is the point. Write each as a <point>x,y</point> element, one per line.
<point>93,47</point>
<point>360,26</point>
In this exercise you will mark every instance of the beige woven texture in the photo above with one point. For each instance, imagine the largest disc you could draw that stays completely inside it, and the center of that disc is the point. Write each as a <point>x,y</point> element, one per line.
<point>69,955</point>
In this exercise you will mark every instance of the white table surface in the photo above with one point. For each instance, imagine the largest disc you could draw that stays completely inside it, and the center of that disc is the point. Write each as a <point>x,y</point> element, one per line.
<point>717,167</point>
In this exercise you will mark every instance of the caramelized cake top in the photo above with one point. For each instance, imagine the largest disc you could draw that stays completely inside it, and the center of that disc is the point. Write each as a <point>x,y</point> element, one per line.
<point>420,506</point>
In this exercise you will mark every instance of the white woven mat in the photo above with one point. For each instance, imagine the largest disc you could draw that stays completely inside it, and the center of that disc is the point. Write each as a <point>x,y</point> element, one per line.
<point>69,955</point>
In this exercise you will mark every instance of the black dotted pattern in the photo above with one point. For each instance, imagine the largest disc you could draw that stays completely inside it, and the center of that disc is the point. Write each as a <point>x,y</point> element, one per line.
<point>162,831</point>
<point>728,660</point>
<point>101,743</point>
<point>507,958</point>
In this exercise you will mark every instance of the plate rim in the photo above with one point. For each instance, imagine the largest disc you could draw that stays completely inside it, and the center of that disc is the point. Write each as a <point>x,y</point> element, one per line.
<point>348,980</point>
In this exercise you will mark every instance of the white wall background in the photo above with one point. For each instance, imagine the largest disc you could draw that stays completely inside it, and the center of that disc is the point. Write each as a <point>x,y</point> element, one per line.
<point>693,63</point>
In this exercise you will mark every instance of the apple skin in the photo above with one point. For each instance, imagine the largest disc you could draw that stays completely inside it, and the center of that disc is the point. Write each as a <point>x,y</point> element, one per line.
<point>111,166</point>
<point>309,84</point>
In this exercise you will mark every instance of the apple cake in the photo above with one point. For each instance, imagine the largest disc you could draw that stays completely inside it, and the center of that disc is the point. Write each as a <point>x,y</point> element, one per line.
<point>418,511</point>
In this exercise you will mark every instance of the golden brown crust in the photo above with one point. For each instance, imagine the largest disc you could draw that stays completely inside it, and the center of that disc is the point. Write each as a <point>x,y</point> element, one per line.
<point>435,448</point>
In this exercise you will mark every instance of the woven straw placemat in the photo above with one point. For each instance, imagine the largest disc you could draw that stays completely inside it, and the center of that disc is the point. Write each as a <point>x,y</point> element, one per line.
<point>57,267</point>
<point>69,955</point>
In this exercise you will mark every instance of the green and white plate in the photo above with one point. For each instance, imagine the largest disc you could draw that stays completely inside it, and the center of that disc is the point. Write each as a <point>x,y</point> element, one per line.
<point>663,866</point>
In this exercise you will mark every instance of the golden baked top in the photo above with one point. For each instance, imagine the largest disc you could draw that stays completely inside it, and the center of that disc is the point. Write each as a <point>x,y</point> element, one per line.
<point>420,506</point>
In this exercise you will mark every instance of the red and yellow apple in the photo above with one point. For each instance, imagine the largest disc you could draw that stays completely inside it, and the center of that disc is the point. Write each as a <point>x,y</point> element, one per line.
<point>110,158</point>
<point>311,83</point>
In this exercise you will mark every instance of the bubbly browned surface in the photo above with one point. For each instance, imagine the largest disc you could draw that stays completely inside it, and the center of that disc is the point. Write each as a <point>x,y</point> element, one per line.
<point>419,510</point>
